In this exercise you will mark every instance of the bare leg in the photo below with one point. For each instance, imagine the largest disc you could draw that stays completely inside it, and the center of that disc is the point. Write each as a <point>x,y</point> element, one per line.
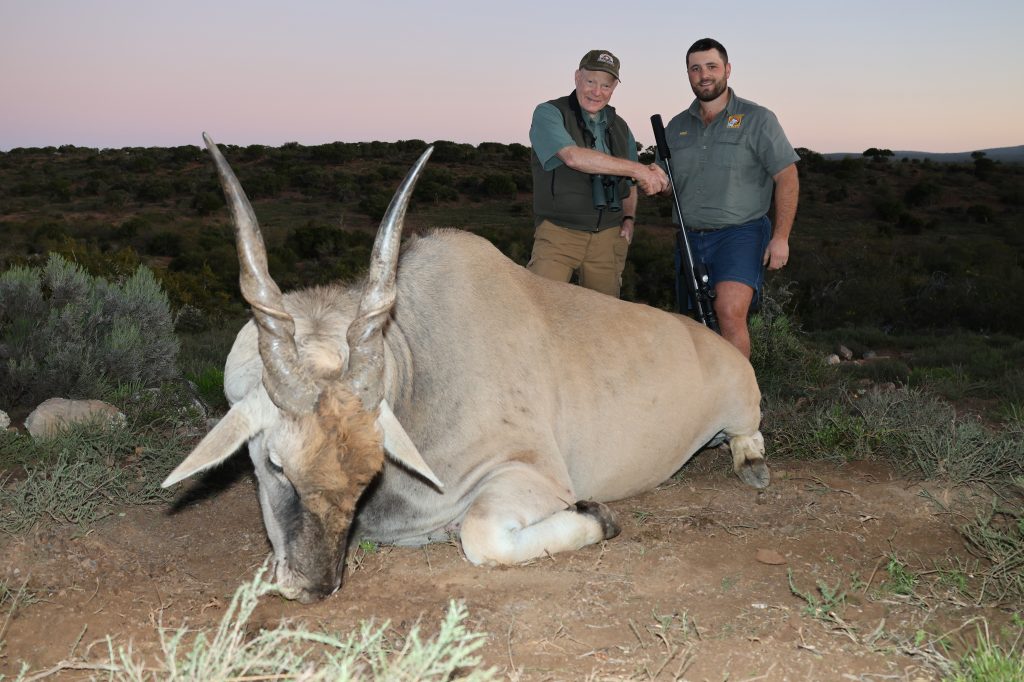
<point>732,303</point>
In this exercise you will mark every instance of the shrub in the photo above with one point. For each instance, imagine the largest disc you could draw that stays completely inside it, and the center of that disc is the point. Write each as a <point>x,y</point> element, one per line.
<point>837,194</point>
<point>206,202</point>
<point>498,185</point>
<point>241,649</point>
<point>165,243</point>
<point>981,213</point>
<point>921,193</point>
<point>782,360</point>
<point>888,209</point>
<point>66,333</point>
<point>374,205</point>
<point>914,430</point>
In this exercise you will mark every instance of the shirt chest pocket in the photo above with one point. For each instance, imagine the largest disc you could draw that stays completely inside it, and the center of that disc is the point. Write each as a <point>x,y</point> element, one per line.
<point>731,153</point>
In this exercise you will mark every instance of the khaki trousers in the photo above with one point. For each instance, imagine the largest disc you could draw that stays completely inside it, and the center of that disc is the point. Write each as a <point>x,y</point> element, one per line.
<point>600,257</point>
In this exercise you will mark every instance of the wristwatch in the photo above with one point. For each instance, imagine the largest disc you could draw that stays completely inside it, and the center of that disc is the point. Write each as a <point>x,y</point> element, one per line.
<point>627,217</point>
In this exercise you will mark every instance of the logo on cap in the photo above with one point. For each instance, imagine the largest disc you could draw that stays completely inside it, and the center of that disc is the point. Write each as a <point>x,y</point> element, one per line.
<point>606,58</point>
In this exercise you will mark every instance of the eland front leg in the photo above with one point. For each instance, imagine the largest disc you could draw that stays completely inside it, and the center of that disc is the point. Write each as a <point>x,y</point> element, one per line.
<point>521,514</point>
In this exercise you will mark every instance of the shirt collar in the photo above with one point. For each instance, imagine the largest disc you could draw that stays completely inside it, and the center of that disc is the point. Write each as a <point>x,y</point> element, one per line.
<point>729,105</point>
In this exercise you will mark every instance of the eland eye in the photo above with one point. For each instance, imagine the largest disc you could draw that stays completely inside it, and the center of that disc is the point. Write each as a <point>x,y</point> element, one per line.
<point>274,465</point>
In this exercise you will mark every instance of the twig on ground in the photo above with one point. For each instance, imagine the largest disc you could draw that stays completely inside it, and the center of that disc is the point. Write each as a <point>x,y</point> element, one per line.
<point>71,665</point>
<point>878,565</point>
<point>761,677</point>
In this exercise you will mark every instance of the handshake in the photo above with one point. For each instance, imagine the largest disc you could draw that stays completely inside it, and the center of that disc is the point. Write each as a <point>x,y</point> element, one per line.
<point>651,179</point>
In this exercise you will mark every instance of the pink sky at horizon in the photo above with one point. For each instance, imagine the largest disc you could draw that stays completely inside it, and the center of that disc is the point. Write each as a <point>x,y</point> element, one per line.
<point>116,73</point>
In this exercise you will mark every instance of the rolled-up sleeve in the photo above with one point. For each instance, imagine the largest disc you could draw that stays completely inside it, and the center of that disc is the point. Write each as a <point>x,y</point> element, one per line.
<point>772,145</point>
<point>548,135</point>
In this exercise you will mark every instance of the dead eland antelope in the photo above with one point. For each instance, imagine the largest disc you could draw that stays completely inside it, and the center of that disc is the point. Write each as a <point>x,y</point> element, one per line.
<point>453,392</point>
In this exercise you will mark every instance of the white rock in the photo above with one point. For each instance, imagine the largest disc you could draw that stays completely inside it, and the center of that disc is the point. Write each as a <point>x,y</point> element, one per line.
<point>832,359</point>
<point>5,420</point>
<point>55,414</point>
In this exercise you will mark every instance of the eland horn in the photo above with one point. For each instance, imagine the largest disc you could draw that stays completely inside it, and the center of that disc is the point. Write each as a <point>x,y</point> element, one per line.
<point>287,384</point>
<point>365,333</point>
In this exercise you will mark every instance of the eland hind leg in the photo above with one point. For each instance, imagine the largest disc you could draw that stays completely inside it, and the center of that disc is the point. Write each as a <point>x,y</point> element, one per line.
<point>746,442</point>
<point>521,514</point>
<point>748,459</point>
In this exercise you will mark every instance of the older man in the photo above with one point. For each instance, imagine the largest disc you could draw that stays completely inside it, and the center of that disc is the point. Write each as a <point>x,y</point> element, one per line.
<point>584,169</point>
<point>730,158</point>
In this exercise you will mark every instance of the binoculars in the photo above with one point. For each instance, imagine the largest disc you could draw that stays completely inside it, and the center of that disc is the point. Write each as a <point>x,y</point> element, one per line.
<point>605,189</point>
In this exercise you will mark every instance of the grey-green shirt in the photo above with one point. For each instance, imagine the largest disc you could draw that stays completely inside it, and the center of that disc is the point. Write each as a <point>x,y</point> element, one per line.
<point>548,135</point>
<point>723,172</point>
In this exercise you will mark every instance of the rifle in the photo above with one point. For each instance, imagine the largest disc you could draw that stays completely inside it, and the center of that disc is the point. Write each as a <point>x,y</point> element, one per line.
<point>696,274</point>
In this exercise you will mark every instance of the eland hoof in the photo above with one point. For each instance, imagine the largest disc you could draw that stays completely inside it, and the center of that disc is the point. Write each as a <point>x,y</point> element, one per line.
<point>755,473</point>
<point>605,516</point>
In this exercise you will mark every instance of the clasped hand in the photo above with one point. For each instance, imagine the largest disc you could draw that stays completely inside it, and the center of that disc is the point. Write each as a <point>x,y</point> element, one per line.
<point>652,180</point>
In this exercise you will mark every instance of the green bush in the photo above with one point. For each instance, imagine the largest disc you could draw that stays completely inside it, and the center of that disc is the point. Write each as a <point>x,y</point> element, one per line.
<point>785,365</point>
<point>66,333</point>
<point>498,185</point>
<point>241,649</point>
<point>915,431</point>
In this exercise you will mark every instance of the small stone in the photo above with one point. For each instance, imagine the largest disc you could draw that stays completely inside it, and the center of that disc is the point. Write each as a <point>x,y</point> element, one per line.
<point>832,359</point>
<point>770,557</point>
<point>844,352</point>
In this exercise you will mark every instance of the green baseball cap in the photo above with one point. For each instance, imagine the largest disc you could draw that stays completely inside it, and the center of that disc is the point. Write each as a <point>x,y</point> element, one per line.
<point>601,60</point>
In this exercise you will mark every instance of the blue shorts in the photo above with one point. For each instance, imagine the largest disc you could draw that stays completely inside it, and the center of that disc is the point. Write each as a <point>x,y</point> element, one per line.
<point>734,254</point>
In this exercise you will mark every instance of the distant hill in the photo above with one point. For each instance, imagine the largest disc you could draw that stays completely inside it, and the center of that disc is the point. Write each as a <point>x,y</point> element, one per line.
<point>1003,154</point>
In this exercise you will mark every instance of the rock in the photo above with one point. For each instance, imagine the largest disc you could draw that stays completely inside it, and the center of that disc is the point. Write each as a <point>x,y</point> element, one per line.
<point>53,415</point>
<point>832,359</point>
<point>844,352</point>
<point>770,557</point>
<point>5,421</point>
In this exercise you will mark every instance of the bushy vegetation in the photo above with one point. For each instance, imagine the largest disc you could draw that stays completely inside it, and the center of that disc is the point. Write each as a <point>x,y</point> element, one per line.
<point>918,432</point>
<point>68,334</point>
<point>987,661</point>
<point>237,650</point>
<point>786,365</point>
<point>896,245</point>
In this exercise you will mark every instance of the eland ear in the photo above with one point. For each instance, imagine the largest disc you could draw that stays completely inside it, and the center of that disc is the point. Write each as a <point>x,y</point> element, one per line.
<point>400,447</point>
<point>221,442</point>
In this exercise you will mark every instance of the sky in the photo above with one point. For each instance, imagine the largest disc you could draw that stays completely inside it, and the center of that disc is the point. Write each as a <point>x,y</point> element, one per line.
<point>939,76</point>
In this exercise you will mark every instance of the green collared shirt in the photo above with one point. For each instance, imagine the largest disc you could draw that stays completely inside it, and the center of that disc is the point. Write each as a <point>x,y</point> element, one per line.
<point>548,134</point>
<point>723,172</point>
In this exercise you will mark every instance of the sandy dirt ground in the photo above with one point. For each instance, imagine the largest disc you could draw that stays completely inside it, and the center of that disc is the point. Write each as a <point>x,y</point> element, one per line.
<point>697,587</point>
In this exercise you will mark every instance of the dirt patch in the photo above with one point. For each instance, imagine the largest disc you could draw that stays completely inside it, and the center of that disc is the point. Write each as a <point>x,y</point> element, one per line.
<point>696,587</point>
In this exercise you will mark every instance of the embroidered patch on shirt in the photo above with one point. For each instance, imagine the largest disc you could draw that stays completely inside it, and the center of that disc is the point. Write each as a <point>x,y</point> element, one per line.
<point>734,121</point>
